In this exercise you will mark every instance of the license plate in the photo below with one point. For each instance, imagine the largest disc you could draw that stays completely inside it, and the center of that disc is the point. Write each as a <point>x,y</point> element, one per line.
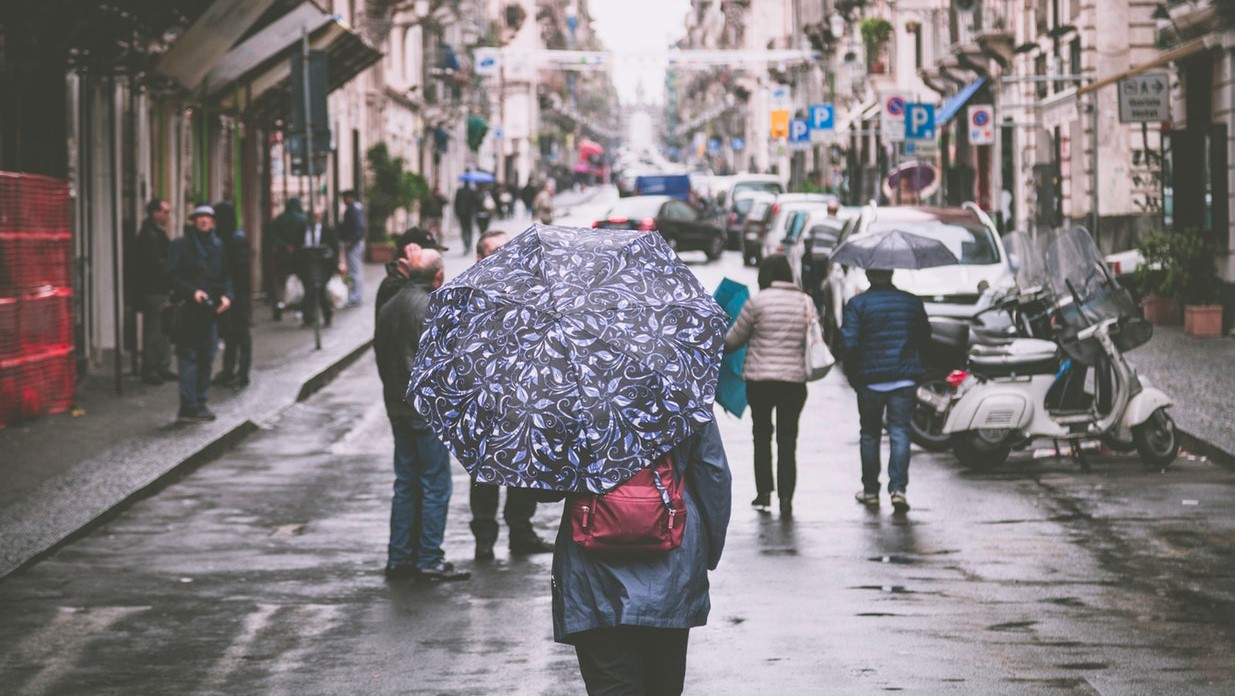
<point>939,402</point>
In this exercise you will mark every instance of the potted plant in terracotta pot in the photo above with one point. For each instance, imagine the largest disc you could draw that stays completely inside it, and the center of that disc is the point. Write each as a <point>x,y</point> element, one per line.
<point>1179,267</point>
<point>1155,282</point>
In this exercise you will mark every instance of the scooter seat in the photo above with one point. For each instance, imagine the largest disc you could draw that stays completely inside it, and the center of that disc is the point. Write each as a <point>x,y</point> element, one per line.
<point>1023,356</point>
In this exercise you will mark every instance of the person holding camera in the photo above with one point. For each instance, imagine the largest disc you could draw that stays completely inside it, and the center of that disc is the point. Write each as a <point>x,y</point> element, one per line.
<point>201,290</point>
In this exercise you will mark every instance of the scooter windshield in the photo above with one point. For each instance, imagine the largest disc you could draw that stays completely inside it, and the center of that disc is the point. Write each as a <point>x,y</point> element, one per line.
<point>1025,258</point>
<point>1086,293</point>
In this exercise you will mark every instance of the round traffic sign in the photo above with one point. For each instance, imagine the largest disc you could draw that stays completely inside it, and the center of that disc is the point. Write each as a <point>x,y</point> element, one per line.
<point>896,106</point>
<point>981,117</point>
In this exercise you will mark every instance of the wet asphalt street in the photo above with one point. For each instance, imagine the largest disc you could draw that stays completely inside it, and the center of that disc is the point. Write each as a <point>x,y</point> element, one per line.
<point>260,573</point>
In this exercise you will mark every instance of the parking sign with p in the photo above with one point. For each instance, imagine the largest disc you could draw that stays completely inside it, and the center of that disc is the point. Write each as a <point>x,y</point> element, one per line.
<point>920,121</point>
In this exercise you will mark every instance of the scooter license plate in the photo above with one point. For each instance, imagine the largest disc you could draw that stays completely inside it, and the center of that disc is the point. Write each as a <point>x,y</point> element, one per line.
<point>939,402</point>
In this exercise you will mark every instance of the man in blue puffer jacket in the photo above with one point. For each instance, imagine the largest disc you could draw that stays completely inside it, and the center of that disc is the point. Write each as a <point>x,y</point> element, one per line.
<point>883,335</point>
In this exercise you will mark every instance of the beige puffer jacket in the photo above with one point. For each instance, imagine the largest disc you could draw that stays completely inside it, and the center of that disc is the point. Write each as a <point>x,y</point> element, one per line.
<point>772,325</point>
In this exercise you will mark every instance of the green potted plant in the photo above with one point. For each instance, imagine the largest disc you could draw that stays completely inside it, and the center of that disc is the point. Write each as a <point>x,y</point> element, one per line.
<point>1179,267</point>
<point>875,33</point>
<point>390,189</point>
<point>1155,283</point>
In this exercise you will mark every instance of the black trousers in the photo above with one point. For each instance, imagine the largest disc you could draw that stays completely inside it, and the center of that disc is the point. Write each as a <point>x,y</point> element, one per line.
<point>237,342</point>
<point>787,400</point>
<point>520,506</point>
<point>633,660</point>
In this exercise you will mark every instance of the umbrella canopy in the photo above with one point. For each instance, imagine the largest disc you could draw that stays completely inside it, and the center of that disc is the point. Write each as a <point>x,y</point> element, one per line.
<point>475,176</point>
<point>569,359</point>
<point>730,387</point>
<point>893,249</point>
<point>921,179</point>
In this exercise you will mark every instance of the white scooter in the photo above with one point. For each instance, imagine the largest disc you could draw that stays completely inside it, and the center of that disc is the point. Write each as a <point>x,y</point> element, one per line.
<point>1030,389</point>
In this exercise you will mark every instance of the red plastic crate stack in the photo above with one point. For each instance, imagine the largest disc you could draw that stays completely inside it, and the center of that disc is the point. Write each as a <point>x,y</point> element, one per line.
<point>37,374</point>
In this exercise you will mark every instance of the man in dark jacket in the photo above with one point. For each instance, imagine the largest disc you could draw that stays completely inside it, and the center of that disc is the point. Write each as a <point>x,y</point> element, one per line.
<point>202,289</point>
<point>316,260</point>
<point>234,326</point>
<point>421,462</point>
<point>151,288</point>
<point>467,202</point>
<point>286,233</point>
<point>483,498</point>
<point>883,335</point>
<point>351,235</point>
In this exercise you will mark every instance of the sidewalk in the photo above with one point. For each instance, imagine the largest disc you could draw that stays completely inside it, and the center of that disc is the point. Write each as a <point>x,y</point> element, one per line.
<point>1199,376</point>
<point>62,473</point>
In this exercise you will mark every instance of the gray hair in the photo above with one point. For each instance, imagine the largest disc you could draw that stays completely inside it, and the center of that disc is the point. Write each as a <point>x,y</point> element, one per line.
<point>425,266</point>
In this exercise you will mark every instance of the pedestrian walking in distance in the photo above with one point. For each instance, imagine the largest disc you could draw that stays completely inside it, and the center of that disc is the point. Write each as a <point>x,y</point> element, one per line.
<point>883,335</point>
<point>287,235</point>
<point>202,290</point>
<point>466,204</point>
<point>773,326</point>
<point>234,325</point>
<point>421,462</point>
<point>351,234</point>
<point>520,502</point>
<point>542,205</point>
<point>317,259</point>
<point>151,287</point>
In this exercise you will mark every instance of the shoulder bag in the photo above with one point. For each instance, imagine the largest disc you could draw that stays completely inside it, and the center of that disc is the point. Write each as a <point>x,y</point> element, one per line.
<point>818,358</point>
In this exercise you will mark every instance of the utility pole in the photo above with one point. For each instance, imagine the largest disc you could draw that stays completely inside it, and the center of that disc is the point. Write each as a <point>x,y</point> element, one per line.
<point>311,294</point>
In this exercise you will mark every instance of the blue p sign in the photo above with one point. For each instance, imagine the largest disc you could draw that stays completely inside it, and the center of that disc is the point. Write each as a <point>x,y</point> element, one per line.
<point>920,121</point>
<point>799,131</point>
<point>822,117</point>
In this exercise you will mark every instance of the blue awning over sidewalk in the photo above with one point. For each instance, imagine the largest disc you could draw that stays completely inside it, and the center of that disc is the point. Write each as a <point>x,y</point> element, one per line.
<point>957,101</point>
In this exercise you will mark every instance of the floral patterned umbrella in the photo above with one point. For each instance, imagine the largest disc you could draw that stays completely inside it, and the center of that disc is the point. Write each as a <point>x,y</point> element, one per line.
<point>569,359</point>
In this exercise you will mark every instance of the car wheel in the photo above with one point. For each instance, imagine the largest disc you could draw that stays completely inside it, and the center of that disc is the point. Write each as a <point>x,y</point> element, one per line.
<point>716,248</point>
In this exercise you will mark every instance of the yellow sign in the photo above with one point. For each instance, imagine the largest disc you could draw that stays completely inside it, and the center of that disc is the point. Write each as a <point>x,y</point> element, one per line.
<point>780,123</point>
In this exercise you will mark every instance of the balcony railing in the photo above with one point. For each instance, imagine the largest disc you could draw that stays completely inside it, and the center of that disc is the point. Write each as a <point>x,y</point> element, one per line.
<point>987,18</point>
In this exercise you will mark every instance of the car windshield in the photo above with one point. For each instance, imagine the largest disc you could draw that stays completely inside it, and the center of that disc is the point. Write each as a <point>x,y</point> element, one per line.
<point>742,205</point>
<point>748,186</point>
<point>636,207</point>
<point>973,245</point>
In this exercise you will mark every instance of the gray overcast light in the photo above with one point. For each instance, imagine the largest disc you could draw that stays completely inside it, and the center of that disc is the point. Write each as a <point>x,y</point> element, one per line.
<point>639,26</point>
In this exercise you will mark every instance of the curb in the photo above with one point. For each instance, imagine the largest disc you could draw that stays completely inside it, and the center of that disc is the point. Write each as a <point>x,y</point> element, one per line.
<point>208,452</point>
<point>1211,451</point>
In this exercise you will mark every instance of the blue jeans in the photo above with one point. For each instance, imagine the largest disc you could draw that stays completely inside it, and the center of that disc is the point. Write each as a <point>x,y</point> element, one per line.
<point>421,496</point>
<point>195,356</point>
<point>871,406</point>
<point>355,257</point>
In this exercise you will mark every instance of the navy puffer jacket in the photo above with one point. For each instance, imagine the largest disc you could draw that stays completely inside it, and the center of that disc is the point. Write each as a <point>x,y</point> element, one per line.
<point>884,333</point>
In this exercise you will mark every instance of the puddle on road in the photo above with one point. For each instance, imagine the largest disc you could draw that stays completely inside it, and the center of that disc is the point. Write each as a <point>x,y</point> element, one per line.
<point>779,551</point>
<point>1083,665</point>
<point>1065,602</point>
<point>1012,626</point>
<point>890,589</point>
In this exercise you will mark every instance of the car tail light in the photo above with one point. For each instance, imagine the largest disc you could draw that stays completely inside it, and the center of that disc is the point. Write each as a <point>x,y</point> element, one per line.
<point>779,249</point>
<point>647,224</point>
<point>618,220</point>
<point>955,377</point>
<point>596,223</point>
<point>733,218</point>
<point>775,208</point>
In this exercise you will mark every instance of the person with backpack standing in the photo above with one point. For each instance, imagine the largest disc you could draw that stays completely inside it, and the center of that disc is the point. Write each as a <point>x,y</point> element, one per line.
<point>351,235</point>
<point>630,618</point>
<point>773,325</point>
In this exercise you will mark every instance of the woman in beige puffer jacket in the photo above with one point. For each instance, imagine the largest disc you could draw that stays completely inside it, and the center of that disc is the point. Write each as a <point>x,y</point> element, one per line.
<point>772,325</point>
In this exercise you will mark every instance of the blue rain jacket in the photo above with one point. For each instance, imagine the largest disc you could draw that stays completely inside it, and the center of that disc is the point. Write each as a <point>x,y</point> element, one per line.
<point>670,591</point>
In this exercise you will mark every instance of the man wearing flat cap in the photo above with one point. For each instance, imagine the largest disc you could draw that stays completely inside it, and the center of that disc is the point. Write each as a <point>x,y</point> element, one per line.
<point>201,290</point>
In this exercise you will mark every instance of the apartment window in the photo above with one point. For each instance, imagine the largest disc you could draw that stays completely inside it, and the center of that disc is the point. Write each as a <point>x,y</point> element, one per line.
<point>1074,55</point>
<point>1041,87</point>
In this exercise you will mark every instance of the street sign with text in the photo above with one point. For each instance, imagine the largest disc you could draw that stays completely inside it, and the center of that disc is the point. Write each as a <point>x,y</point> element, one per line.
<point>488,61</point>
<point>920,121</point>
<point>1145,98</point>
<point>981,124</point>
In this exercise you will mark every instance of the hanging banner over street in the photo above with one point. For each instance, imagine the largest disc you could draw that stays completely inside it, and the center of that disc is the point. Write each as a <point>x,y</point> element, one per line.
<point>1145,98</point>
<point>892,116</point>
<point>780,123</point>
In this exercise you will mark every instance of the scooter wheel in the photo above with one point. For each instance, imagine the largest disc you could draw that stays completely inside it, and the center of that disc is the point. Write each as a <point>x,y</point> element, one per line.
<point>925,423</point>
<point>1156,440</point>
<point>976,450</point>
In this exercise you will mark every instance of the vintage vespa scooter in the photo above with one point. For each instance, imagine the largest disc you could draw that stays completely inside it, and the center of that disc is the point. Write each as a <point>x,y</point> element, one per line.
<point>1033,388</point>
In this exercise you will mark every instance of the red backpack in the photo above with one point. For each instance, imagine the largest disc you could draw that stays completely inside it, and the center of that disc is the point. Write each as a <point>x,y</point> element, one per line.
<point>644,516</point>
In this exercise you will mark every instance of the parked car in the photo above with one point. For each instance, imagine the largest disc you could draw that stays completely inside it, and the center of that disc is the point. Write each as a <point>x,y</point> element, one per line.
<point>948,291</point>
<point>812,235</point>
<point>767,214</point>
<point>684,227</point>
<point>734,196</point>
<point>778,229</point>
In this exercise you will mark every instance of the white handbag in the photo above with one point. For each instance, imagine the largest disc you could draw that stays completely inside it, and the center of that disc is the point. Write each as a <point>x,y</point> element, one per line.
<point>819,360</point>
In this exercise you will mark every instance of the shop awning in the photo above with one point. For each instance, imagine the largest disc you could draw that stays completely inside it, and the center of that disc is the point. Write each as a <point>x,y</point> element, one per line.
<point>191,56</point>
<point>1188,49</point>
<point>278,37</point>
<point>953,104</point>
